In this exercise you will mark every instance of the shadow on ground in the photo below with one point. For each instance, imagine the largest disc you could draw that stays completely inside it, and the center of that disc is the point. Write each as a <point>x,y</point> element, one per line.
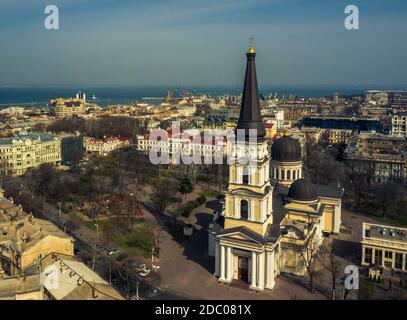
<point>346,249</point>
<point>196,248</point>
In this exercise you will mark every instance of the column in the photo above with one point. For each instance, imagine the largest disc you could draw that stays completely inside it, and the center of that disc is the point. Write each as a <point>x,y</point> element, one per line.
<point>363,255</point>
<point>373,256</point>
<point>270,270</point>
<point>393,260</point>
<point>383,256</point>
<point>254,271</point>
<point>251,210</point>
<point>263,210</point>
<point>228,264</point>
<point>261,271</point>
<point>222,263</point>
<point>217,257</point>
<point>236,213</point>
<point>404,267</point>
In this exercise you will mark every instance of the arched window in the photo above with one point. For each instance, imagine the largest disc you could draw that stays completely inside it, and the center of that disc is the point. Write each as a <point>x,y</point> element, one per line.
<point>244,209</point>
<point>288,174</point>
<point>282,174</point>
<point>246,175</point>
<point>294,174</point>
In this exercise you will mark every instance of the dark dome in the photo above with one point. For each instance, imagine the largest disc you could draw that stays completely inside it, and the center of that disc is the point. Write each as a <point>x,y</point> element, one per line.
<point>302,190</point>
<point>286,149</point>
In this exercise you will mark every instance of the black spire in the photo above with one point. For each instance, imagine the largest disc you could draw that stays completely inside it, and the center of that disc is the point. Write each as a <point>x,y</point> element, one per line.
<point>250,116</point>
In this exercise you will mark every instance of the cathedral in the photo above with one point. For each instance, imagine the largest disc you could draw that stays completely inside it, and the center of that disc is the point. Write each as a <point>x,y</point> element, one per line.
<point>272,218</point>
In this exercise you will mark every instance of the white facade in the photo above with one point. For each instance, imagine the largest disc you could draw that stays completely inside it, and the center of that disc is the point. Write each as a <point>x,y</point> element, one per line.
<point>399,125</point>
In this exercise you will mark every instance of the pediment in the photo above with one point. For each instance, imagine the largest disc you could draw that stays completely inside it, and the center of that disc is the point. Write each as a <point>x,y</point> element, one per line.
<point>242,234</point>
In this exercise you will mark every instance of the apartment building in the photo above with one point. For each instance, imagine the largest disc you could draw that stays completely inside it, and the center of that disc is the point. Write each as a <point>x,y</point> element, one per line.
<point>381,157</point>
<point>28,150</point>
<point>399,125</point>
<point>65,108</point>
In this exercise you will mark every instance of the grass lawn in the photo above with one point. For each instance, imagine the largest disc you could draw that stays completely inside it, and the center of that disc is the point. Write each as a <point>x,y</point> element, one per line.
<point>139,243</point>
<point>103,222</point>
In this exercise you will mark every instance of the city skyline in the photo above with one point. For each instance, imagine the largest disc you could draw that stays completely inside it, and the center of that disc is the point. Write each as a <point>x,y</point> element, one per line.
<point>135,43</point>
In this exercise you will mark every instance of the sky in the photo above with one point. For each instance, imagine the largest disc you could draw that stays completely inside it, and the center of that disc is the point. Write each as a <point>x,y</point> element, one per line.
<point>202,43</point>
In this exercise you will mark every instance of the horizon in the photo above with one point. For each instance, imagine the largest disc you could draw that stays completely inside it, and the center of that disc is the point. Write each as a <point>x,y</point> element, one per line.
<point>172,43</point>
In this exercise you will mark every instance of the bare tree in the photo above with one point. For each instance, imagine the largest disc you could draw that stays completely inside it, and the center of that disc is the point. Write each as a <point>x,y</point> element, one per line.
<point>164,194</point>
<point>332,266</point>
<point>308,254</point>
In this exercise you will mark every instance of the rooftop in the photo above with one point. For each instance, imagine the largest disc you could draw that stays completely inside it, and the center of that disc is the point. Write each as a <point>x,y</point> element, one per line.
<point>24,136</point>
<point>20,231</point>
<point>384,232</point>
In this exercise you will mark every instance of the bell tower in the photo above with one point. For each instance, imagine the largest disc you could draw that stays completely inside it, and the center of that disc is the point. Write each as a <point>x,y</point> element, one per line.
<point>249,194</point>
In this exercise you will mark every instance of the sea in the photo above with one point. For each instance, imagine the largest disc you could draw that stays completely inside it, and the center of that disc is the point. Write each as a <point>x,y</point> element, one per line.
<point>40,96</point>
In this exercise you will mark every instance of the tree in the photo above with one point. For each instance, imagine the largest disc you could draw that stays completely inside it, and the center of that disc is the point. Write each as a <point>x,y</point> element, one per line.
<point>308,255</point>
<point>185,186</point>
<point>164,194</point>
<point>388,193</point>
<point>332,266</point>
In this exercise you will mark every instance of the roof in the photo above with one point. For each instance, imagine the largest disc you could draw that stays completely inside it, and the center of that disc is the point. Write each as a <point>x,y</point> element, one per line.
<point>250,116</point>
<point>21,231</point>
<point>286,149</point>
<point>69,285</point>
<point>43,137</point>
<point>302,190</point>
<point>389,233</point>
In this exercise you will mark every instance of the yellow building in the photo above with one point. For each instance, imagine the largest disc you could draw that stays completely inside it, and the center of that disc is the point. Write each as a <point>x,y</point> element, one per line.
<point>337,136</point>
<point>385,246</point>
<point>24,239</point>
<point>260,233</point>
<point>65,108</point>
<point>28,150</point>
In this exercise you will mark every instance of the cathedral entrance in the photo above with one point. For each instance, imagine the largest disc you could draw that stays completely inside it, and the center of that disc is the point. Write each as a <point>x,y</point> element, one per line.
<point>243,272</point>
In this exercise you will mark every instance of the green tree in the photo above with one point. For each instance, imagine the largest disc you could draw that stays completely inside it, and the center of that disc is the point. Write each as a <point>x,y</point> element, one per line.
<point>185,186</point>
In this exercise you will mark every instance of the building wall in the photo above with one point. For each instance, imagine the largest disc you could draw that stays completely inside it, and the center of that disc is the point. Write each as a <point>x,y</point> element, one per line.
<point>49,244</point>
<point>386,252</point>
<point>21,154</point>
<point>72,149</point>
<point>399,125</point>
